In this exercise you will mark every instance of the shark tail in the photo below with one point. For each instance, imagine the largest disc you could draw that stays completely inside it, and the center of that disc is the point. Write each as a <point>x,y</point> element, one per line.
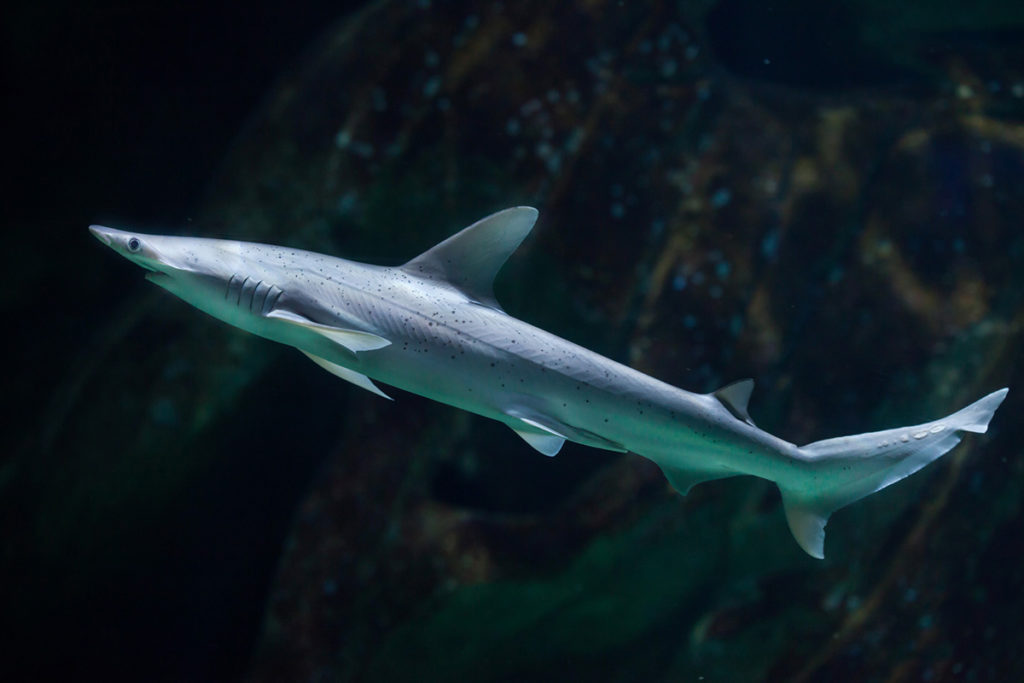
<point>845,469</point>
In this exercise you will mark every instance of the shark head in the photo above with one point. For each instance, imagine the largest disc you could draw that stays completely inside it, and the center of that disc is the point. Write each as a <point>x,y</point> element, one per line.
<point>244,284</point>
<point>191,268</point>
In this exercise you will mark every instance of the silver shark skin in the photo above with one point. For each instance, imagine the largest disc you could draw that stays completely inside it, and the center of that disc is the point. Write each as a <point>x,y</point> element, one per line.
<point>432,327</point>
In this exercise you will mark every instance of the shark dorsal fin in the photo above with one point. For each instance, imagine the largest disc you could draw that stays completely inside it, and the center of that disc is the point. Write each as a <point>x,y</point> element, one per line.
<point>469,259</point>
<point>735,397</point>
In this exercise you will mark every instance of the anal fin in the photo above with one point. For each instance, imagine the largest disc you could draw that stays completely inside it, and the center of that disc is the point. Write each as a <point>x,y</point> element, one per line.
<point>682,480</point>
<point>359,379</point>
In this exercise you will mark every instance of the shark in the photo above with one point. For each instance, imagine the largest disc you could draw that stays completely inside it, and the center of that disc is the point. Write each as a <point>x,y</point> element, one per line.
<point>433,327</point>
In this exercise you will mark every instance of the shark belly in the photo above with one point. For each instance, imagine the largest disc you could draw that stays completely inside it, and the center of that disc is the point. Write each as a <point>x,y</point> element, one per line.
<point>502,368</point>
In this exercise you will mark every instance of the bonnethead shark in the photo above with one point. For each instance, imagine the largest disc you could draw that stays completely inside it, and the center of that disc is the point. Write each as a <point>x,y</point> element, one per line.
<point>433,327</point>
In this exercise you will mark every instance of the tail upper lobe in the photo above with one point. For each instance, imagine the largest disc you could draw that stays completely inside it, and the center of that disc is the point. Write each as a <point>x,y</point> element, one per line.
<point>842,470</point>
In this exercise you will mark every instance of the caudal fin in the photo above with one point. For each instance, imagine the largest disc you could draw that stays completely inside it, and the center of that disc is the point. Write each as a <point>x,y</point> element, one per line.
<point>842,470</point>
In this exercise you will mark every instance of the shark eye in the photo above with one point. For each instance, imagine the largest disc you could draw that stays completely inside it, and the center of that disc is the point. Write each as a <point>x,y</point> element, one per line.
<point>134,244</point>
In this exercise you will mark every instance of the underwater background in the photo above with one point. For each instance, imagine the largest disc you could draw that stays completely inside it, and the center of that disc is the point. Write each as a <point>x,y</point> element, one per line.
<point>825,197</point>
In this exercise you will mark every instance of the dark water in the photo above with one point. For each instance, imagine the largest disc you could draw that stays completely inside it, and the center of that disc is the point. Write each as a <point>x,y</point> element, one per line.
<point>826,199</point>
<point>121,113</point>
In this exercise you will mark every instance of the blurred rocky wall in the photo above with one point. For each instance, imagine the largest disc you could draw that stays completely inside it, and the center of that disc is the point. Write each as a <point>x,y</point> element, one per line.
<point>855,247</point>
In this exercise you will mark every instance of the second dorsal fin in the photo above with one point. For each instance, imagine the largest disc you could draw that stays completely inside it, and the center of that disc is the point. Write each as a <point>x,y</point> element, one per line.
<point>469,259</point>
<point>735,398</point>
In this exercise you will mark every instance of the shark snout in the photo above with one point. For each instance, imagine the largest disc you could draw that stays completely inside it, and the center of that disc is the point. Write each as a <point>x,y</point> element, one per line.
<point>152,252</point>
<point>102,234</point>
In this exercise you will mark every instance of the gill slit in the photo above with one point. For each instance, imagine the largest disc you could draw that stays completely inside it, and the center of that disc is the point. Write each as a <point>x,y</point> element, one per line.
<point>270,300</point>
<point>241,289</point>
<point>255,293</point>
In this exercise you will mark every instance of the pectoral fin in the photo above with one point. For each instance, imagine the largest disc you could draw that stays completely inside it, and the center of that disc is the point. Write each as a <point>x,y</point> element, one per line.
<point>353,340</point>
<point>356,378</point>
